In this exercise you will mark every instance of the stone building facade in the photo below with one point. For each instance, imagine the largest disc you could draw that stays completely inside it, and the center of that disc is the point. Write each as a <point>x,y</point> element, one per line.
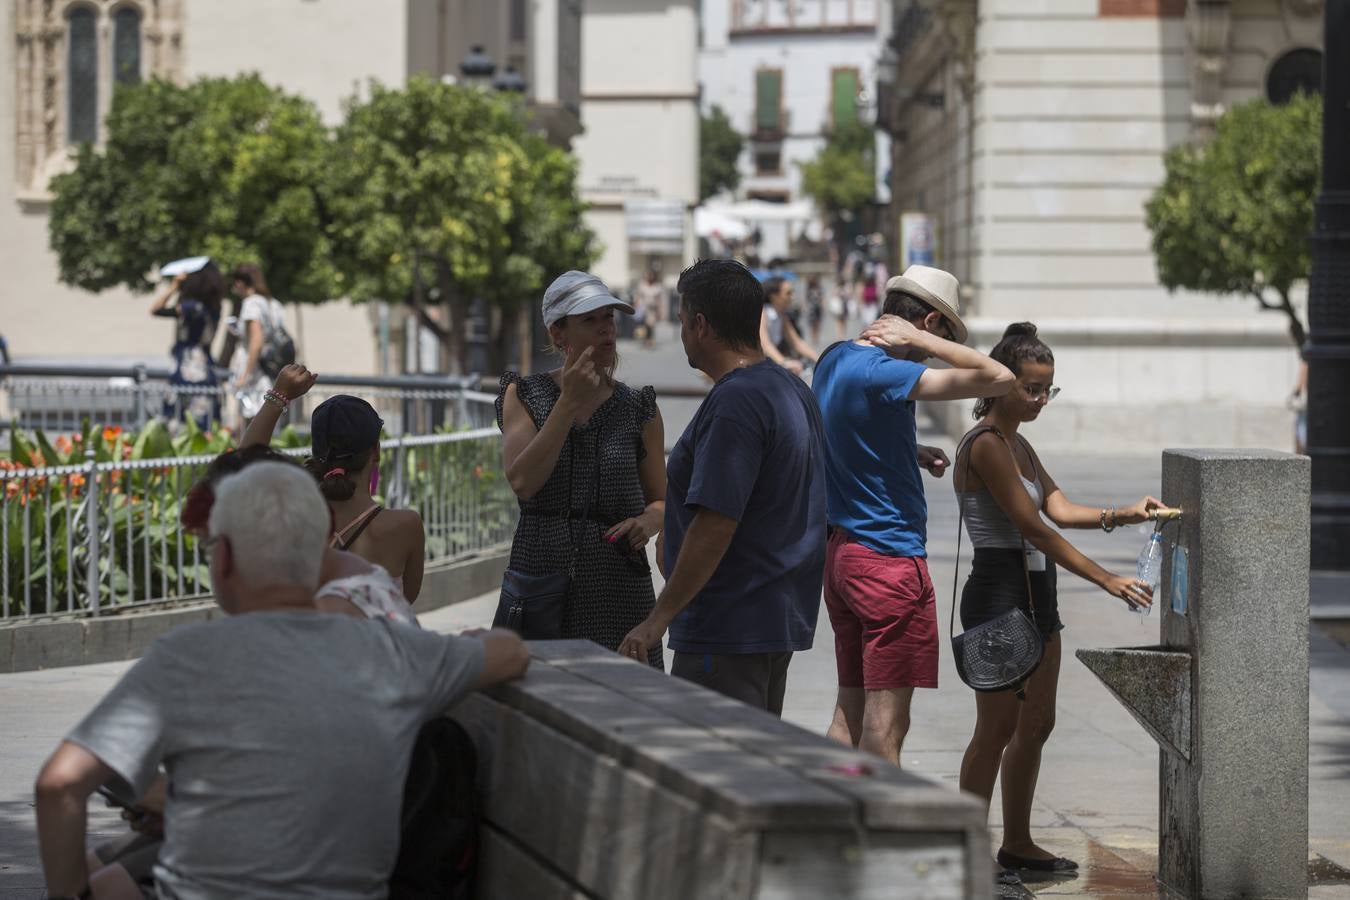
<point>1033,132</point>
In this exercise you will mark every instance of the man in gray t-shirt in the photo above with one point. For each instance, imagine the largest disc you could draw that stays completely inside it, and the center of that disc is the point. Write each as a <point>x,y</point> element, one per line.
<point>285,732</point>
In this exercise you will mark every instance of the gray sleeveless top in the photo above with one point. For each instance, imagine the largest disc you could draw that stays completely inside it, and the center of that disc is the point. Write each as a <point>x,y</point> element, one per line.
<point>987,523</point>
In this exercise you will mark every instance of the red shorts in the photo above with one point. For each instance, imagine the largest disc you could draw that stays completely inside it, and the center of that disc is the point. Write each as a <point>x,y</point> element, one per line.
<point>884,613</point>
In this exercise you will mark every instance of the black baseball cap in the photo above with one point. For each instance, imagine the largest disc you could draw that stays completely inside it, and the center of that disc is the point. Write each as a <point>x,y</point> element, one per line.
<point>344,425</point>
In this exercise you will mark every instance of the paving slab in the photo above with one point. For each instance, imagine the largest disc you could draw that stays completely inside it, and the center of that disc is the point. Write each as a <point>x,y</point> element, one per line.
<point>1097,800</point>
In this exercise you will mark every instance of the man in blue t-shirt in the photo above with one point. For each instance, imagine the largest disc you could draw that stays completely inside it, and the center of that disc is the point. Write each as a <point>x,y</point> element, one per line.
<point>744,542</point>
<point>877,588</point>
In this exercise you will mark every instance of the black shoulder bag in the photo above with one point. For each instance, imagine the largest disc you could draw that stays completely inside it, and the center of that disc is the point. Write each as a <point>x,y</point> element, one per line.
<point>533,605</point>
<point>1000,654</point>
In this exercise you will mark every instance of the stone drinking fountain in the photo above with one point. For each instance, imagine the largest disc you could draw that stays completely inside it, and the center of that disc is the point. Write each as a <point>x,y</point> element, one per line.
<point>1225,693</point>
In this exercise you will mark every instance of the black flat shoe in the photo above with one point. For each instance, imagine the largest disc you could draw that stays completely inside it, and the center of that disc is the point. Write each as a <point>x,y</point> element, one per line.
<point>1058,864</point>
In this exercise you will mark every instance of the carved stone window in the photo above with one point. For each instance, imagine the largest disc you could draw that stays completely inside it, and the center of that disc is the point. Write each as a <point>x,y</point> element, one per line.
<point>127,46</point>
<point>70,54</point>
<point>82,76</point>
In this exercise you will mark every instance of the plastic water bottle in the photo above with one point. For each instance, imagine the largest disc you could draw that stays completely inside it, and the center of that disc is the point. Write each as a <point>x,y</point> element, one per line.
<point>1149,569</point>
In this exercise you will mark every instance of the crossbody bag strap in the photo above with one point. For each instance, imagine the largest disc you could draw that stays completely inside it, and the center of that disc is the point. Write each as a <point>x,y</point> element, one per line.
<point>961,518</point>
<point>571,447</point>
<point>1026,569</point>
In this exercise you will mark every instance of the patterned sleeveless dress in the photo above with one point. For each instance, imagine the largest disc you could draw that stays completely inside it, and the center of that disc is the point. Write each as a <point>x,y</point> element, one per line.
<point>611,589</point>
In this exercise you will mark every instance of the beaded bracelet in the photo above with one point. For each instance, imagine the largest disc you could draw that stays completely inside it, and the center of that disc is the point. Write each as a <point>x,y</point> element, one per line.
<point>277,399</point>
<point>1112,527</point>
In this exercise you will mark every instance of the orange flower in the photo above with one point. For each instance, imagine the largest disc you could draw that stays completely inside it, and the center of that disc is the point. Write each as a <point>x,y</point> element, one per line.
<point>76,480</point>
<point>477,471</point>
<point>111,433</point>
<point>13,488</point>
<point>36,458</point>
<point>63,444</point>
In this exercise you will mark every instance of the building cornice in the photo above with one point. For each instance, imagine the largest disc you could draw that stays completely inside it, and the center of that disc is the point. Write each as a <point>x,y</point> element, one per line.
<point>653,97</point>
<point>737,34</point>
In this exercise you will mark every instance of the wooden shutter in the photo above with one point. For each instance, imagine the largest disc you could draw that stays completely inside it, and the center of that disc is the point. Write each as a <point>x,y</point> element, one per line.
<point>844,96</point>
<point>769,100</point>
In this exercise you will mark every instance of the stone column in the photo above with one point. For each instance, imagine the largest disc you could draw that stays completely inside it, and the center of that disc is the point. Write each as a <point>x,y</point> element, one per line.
<point>1233,819</point>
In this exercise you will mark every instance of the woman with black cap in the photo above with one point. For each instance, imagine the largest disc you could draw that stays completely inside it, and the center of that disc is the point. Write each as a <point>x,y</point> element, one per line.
<point>345,432</point>
<point>585,455</point>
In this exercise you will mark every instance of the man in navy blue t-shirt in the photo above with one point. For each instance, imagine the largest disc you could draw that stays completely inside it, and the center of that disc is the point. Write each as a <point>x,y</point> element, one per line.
<point>878,592</point>
<point>744,542</point>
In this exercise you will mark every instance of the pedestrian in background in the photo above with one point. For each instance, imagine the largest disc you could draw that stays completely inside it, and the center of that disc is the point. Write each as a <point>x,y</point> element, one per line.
<point>779,339</point>
<point>585,455</point>
<point>259,313</point>
<point>744,542</point>
<point>649,300</point>
<point>197,315</point>
<point>815,307</point>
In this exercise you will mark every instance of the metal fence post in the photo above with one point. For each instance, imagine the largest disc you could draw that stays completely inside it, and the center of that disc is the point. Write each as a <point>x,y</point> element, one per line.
<point>140,377</point>
<point>400,475</point>
<point>462,404</point>
<point>91,516</point>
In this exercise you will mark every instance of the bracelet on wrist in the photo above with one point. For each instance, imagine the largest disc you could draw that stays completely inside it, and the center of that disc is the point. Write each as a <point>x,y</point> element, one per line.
<point>1102,519</point>
<point>277,399</point>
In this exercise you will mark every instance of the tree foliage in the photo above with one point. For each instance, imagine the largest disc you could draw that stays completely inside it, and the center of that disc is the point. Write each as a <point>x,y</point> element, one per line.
<point>223,167</point>
<point>439,194</point>
<point>1233,216</point>
<point>719,147</point>
<point>842,177</point>
<point>427,194</point>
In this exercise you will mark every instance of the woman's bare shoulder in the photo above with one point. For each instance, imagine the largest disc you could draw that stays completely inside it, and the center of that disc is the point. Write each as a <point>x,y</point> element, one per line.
<point>400,520</point>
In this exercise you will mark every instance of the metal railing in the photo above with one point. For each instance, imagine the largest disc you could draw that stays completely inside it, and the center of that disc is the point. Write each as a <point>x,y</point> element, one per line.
<point>55,399</point>
<point>105,536</point>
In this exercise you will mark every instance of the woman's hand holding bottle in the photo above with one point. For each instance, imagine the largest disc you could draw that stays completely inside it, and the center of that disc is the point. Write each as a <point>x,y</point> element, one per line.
<point>1134,591</point>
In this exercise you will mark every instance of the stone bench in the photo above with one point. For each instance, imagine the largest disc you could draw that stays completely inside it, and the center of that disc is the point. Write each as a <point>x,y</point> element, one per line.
<point>603,778</point>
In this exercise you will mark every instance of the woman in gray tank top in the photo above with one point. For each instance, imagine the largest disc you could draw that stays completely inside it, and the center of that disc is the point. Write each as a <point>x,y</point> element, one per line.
<point>1003,490</point>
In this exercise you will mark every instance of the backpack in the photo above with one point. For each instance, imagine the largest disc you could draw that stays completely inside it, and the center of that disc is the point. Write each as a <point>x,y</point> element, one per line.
<point>438,845</point>
<point>278,349</point>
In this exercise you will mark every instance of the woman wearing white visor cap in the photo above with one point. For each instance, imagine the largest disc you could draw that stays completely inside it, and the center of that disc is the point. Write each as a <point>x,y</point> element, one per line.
<point>585,454</point>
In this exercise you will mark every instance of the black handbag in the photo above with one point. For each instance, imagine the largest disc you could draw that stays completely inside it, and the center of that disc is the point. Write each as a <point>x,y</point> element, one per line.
<point>1001,654</point>
<point>533,605</point>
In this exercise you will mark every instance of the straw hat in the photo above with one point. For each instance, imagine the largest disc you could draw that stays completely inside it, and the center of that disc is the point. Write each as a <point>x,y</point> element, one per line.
<point>938,289</point>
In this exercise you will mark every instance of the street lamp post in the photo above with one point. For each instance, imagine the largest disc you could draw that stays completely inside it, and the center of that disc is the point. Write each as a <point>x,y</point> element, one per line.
<point>1328,348</point>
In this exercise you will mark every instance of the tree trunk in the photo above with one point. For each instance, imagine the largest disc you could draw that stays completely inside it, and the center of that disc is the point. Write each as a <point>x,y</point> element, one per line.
<point>457,306</point>
<point>1296,329</point>
<point>525,342</point>
<point>501,343</point>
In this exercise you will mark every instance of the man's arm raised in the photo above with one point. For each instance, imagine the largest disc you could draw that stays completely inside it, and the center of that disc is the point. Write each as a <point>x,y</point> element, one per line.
<point>972,374</point>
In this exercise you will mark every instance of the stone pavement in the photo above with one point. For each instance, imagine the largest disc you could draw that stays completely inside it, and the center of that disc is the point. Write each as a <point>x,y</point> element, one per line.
<point>1097,800</point>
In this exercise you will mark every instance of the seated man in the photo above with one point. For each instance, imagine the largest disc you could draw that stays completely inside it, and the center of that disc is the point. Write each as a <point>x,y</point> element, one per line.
<point>285,732</point>
<point>778,337</point>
